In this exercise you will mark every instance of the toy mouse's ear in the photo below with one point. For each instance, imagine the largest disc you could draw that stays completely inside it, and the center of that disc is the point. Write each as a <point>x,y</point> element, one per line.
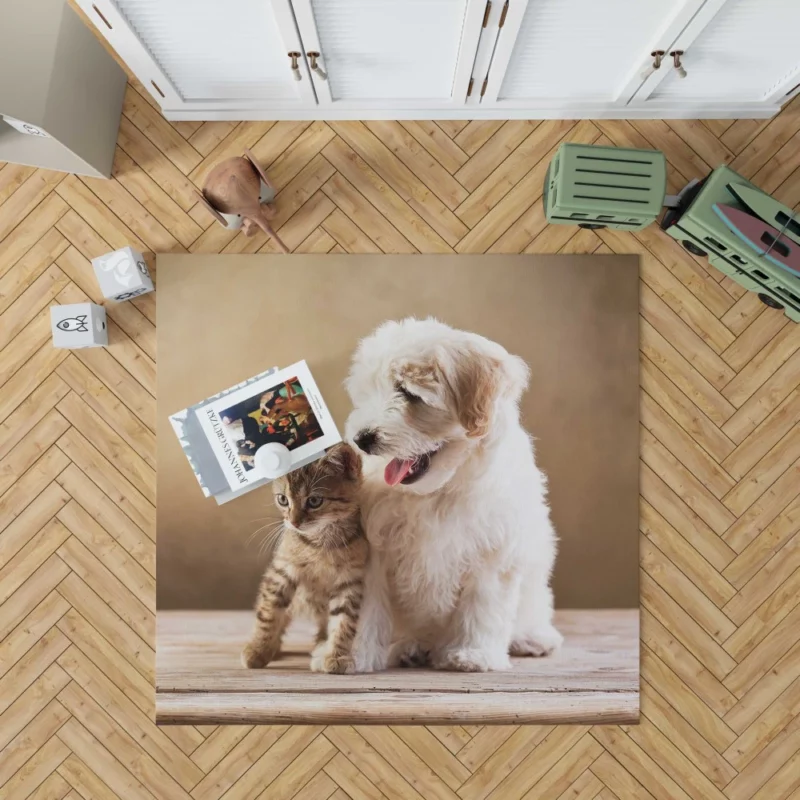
<point>211,210</point>
<point>257,167</point>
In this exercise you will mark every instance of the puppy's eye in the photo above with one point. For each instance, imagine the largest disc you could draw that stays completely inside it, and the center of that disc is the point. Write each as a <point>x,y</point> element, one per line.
<point>282,500</point>
<point>315,501</point>
<point>409,396</point>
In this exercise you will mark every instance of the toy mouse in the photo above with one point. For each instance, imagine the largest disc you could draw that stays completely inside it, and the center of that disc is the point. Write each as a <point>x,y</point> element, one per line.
<point>238,193</point>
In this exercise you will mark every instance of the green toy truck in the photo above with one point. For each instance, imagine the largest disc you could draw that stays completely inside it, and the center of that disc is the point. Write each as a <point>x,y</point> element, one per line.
<point>605,187</point>
<point>700,230</point>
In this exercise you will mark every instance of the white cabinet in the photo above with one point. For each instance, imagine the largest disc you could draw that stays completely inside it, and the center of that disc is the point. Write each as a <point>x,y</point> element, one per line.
<point>735,51</point>
<point>208,55</point>
<point>553,53</point>
<point>429,59</point>
<point>390,53</point>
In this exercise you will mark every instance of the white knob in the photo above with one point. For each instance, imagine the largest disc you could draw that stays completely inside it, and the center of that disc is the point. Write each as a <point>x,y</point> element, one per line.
<point>315,68</point>
<point>676,60</point>
<point>294,55</point>
<point>272,460</point>
<point>657,56</point>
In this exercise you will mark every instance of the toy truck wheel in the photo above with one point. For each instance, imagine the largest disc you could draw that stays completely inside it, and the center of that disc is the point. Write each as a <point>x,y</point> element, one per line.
<point>693,248</point>
<point>592,226</point>
<point>770,301</point>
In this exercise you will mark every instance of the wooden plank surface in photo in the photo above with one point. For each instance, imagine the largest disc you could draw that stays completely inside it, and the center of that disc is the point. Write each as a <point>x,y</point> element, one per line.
<point>593,679</point>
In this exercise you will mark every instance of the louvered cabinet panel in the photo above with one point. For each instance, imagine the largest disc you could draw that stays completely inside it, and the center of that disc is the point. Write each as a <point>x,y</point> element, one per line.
<point>749,51</point>
<point>385,51</point>
<point>210,49</point>
<point>582,50</point>
<point>206,54</point>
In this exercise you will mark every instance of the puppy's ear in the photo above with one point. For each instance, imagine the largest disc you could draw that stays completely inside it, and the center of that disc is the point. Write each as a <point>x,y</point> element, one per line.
<point>345,461</point>
<point>477,386</point>
<point>422,377</point>
<point>481,380</point>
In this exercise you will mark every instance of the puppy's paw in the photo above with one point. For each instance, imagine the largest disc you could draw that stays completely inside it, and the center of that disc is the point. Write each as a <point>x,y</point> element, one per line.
<point>318,656</point>
<point>319,650</point>
<point>255,656</point>
<point>370,660</point>
<point>539,642</point>
<point>470,660</point>
<point>410,653</point>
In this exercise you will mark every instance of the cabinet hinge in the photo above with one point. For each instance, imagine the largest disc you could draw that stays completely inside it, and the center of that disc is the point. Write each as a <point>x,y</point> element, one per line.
<point>486,13</point>
<point>483,88</point>
<point>503,15</point>
<point>469,88</point>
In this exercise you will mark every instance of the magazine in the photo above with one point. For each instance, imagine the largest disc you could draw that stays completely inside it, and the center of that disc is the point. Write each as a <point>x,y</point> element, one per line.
<point>284,406</point>
<point>198,449</point>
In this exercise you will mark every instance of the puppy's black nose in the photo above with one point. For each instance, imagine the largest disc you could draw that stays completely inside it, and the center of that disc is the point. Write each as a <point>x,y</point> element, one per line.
<point>366,440</point>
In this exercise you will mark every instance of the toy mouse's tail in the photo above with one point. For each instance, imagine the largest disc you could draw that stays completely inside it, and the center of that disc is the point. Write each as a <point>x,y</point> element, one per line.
<point>263,223</point>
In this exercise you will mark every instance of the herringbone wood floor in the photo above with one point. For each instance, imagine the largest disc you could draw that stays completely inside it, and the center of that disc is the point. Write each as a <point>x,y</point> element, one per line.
<point>720,551</point>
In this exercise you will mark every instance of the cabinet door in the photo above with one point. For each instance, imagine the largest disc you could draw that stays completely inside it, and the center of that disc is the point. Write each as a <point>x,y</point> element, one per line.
<point>565,54</point>
<point>206,54</point>
<point>390,54</point>
<point>735,51</point>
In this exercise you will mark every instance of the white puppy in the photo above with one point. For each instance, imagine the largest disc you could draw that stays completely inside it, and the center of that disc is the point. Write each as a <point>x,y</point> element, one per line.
<point>455,507</point>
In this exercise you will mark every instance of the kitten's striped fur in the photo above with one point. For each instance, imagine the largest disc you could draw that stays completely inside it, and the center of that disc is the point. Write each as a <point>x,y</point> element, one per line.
<point>319,562</point>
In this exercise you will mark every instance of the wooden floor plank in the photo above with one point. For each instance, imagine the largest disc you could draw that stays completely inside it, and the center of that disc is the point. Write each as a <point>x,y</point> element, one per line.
<point>30,230</point>
<point>420,162</point>
<point>357,139</point>
<point>510,172</point>
<point>159,131</point>
<point>30,267</point>
<point>720,470</point>
<point>437,143</point>
<point>12,176</point>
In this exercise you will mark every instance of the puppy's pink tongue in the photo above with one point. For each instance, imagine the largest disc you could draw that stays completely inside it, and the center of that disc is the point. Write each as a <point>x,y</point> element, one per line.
<point>396,470</point>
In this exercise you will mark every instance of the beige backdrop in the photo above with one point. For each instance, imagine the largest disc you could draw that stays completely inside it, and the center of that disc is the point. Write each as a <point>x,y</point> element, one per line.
<point>574,319</point>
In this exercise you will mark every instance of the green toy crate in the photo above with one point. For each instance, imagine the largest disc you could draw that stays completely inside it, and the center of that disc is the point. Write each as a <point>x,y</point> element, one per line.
<point>599,187</point>
<point>695,224</point>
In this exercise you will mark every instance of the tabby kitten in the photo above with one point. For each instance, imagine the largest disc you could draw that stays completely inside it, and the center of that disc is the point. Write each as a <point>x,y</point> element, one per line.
<point>318,564</point>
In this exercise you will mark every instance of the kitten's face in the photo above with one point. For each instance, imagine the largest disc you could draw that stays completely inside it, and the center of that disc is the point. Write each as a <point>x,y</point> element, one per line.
<point>322,493</point>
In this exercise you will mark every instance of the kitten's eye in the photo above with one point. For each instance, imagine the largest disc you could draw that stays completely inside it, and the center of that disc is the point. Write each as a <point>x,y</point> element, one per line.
<point>282,500</point>
<point>409,396</point>
<point>315,501</point>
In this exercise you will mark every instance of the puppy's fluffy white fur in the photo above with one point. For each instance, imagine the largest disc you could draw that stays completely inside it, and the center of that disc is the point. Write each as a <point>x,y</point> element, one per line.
<point>462,556</point>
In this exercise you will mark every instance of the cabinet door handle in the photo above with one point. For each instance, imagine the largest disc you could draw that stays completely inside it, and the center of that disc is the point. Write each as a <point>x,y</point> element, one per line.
<point>657,55</point>
<point>313,56</point>
<point>294,55</point>
<point>676,60</point>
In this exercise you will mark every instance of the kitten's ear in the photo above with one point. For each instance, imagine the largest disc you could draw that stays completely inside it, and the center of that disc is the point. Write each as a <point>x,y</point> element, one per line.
<point>345,461</point>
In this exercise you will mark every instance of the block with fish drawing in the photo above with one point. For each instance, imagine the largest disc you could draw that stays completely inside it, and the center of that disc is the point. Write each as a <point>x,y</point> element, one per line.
<point>78,325</point>
<point>123,274</point>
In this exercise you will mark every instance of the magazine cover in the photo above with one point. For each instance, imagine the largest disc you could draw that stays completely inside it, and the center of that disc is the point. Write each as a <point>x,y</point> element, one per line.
<point>284,407</point>
<point>196,446</point>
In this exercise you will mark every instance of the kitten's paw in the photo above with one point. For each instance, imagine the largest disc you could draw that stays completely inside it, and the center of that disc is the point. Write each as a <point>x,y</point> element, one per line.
<point>470,660</point>
<point>410,653</point>
<point>256,657</point>
<point>337,665</point>
<point>322,660</point>
<point>537,643</point>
